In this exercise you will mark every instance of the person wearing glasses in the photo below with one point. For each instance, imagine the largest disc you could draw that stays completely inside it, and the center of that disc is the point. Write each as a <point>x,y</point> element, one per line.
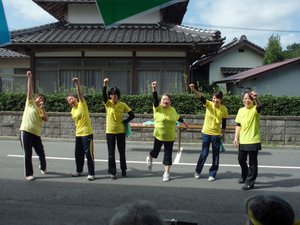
<point>213,130</point>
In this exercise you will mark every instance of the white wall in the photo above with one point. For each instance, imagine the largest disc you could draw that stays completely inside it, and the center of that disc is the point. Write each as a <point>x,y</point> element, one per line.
<point>88,14</point>
<point>234,58</point>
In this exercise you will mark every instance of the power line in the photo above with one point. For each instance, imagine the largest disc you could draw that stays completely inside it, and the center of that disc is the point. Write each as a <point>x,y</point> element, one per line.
<point>246,28</point>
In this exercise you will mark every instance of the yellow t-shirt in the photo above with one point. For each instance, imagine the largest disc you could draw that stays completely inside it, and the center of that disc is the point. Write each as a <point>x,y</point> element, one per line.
<point>250,125</point>
<point>81,117</point>
<point>213,118</point>
<point>114,116</point>
<point>32,118</point>
<point>165,123</point>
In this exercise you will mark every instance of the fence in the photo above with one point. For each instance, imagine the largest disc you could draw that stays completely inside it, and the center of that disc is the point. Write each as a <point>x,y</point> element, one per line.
<point>274,130</point>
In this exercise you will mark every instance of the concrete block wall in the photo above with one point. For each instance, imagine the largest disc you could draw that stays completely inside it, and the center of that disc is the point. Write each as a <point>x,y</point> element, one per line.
<point>274,130</point>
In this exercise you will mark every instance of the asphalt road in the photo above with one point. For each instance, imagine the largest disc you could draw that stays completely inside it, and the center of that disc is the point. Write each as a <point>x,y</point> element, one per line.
<point>59,199</point>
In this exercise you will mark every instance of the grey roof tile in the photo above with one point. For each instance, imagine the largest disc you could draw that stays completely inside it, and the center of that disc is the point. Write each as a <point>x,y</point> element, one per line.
<point>163,33</point>
<point>6,53</point>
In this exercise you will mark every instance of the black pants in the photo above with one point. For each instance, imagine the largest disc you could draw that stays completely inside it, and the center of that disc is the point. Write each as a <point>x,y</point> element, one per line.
<point>111,140</point>
<point>249,173</point>
<point>168,149</point>
<point>84,146</point>
<point>28,141</point>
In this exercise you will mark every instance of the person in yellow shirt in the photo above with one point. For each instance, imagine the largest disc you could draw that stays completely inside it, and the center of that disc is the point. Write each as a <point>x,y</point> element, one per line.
<point>165,118</point>
<point>30,131</point>
<point>213,130</point>
<point>247,138</point>
<point>115,127</point>
<point>84,144</point>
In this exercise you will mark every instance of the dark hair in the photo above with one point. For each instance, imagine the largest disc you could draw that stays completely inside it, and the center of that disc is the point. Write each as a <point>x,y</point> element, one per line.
<point>169,96</point>
<point>249,94</point>
<point>71,95</point>
<point>269,210</point>
<point>218,94</point>
<point>43,96</point>
<point>114,90</point>
<point>137,213</point>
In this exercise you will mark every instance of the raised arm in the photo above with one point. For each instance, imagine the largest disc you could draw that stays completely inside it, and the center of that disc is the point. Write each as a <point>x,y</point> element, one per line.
<point>154,93</point>
<point>104,89</point>
<point>197,93</point>
<point>256,101</point>
<point>78,89</point>
<point>29,85</point>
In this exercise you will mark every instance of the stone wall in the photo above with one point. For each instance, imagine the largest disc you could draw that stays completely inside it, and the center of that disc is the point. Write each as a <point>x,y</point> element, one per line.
<point>275,130</point>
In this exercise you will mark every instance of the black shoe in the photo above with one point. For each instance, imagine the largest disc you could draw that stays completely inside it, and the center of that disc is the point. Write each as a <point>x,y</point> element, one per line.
<point>241,181</point>
<point>124,173</point>
<point>247,187</point>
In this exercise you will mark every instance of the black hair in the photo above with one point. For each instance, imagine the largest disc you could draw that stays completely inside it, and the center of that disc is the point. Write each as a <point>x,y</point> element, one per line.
<point>270,210</point>
<point>114,90</point>
<point>169,96</point>
<point>218,94</point>
<point>249,94</point>
<point>43,96</point>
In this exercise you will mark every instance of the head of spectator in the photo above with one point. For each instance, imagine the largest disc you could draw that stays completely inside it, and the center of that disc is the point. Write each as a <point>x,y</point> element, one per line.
<point>269,210</point>
<point>137,213</point>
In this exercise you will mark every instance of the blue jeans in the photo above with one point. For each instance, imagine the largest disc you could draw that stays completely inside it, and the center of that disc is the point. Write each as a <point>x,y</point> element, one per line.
<point>216,142</point>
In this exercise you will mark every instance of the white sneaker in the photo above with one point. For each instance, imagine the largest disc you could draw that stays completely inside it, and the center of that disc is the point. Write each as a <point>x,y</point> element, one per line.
<point>30,178</point>
<point>76,174</point>
<point>90,177</point>
<point>43,171</point>
<point>197,175</point>
<point>149,162</point>
<point>166,177</point>
<point>210,178</point>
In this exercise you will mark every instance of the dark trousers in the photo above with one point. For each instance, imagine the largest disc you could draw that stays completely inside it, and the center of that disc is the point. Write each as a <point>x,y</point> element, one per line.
<point>111,140</point>
<point>249,173</point>
<point>84,146</point>
<point>215,141</point>
<point>168,149</point>
<point>28,141</point>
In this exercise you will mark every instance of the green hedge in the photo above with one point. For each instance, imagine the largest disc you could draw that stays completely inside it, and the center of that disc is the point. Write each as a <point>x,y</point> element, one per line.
<point>184,104</point>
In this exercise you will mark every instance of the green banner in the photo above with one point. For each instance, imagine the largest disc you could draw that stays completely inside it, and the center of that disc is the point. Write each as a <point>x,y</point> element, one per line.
<point>114,11</point>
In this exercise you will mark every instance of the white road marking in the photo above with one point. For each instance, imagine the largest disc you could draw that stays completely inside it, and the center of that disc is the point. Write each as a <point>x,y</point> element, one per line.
<point>177,163</point>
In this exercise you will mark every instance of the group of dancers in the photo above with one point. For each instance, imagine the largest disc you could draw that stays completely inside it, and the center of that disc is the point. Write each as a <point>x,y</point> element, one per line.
<point>247,132</point>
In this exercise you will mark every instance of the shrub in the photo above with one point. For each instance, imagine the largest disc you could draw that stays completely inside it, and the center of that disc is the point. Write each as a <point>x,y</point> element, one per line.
<point>183,103</point>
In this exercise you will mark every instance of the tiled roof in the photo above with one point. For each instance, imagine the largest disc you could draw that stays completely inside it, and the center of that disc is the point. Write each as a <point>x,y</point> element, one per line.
<point>6,53</point>
<point>59,8</point>
<point>138,34</point>
<point>234,44</point>
<point>258,71</point>
<point>233,70</point>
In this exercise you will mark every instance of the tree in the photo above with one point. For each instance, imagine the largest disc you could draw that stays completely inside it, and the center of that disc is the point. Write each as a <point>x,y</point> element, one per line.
<point>292,51</point>
<point>274,51</point>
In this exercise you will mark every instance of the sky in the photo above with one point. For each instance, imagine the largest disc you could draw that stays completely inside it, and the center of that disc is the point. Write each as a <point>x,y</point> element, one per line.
<point>256,19</point>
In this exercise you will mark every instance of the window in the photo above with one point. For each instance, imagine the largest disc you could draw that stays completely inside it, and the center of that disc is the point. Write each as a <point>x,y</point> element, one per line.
<point>55,75</point>
<point>169,73</point>
<point>13,80</point>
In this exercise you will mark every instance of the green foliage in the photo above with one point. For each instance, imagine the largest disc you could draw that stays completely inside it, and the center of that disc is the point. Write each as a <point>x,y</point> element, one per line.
<point>274,51</point>
<point>183,103</point>
<point>292,51</point>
